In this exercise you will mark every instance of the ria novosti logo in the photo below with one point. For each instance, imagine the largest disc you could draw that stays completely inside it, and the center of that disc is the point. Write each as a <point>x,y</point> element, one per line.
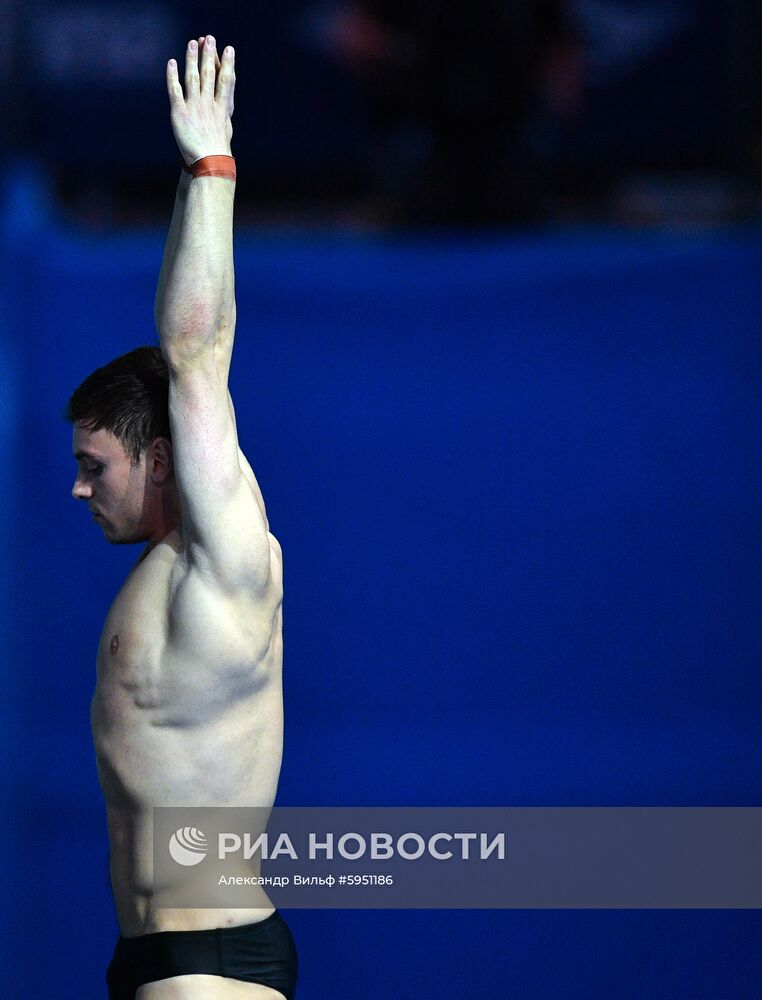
<point>188,845</point>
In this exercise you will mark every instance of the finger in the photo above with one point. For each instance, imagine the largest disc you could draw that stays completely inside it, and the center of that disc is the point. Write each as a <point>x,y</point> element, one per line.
<point>201,42</point>
<point>226,79</point>
<point>191,69</point>
<point>207,66</point>
<point>216,56</point>
<point>174,89</point>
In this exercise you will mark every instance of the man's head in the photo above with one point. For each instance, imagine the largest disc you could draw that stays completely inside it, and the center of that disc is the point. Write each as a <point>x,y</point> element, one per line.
<point>122,444</point>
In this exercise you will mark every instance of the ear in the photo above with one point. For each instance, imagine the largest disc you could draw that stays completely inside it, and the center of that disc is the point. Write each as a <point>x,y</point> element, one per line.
<point>159,460</point>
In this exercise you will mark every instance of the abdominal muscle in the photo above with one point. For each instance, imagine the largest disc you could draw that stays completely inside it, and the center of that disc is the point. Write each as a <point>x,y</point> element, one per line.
<point>137,905</point>
<point>171,732</point>
<point>230,761</point>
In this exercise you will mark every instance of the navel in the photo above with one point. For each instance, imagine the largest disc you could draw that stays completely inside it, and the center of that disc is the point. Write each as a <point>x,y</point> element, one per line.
<point>114,644</point>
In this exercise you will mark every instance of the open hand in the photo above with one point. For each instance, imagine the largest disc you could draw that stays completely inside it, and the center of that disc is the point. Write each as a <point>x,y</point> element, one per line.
<point>201,118</point>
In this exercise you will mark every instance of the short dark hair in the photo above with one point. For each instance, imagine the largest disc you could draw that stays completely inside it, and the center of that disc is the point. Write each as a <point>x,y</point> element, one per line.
<point>129,397</point>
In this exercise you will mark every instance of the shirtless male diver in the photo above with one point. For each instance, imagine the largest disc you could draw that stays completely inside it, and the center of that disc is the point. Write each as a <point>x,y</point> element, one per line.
<point>187,709</point>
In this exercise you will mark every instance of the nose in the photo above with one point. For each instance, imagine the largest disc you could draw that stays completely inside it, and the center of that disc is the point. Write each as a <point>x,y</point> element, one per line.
<point>80,490</point>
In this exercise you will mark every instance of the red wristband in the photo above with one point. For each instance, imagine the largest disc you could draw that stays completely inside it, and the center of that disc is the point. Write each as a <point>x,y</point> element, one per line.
<point>212,166</point>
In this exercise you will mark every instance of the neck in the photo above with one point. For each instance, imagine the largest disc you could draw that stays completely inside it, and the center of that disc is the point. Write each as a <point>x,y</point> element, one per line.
<point>168,521</point>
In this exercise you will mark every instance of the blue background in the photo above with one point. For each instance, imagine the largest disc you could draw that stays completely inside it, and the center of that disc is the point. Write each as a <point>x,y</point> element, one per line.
<point>517,483</point>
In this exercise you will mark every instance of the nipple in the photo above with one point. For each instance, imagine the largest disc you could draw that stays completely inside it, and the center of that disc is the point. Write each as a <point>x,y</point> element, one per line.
<point>114,644</point>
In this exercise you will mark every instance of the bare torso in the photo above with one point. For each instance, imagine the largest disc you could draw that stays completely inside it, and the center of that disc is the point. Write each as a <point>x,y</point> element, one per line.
<point>187,711</point>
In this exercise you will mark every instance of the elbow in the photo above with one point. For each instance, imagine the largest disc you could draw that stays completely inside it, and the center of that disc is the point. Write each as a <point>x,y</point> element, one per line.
<point>191,322</point>
<point>186,328</point>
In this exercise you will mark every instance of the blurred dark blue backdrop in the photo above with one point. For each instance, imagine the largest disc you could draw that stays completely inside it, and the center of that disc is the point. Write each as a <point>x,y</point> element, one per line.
<point>666,86</point>
<point>517,483</point>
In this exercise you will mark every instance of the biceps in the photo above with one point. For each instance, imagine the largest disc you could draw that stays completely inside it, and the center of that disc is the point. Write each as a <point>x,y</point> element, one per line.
<point>222,523</point>
<point>230,543</point>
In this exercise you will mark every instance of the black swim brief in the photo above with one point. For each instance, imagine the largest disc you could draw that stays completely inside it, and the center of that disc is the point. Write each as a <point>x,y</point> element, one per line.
<point>263,952</point>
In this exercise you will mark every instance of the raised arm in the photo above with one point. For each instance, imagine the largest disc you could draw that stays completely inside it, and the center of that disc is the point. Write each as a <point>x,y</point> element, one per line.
<point>195,299</point>
<point>222,518</point>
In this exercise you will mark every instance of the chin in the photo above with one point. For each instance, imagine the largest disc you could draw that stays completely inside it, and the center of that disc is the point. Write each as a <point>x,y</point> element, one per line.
<point>114,538</point>
<point>110,535</point>
<point>120,540</point>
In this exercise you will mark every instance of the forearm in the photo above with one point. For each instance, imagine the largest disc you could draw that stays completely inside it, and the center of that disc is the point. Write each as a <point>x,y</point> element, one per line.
<point>195,299</point>
<point>170,247</point>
